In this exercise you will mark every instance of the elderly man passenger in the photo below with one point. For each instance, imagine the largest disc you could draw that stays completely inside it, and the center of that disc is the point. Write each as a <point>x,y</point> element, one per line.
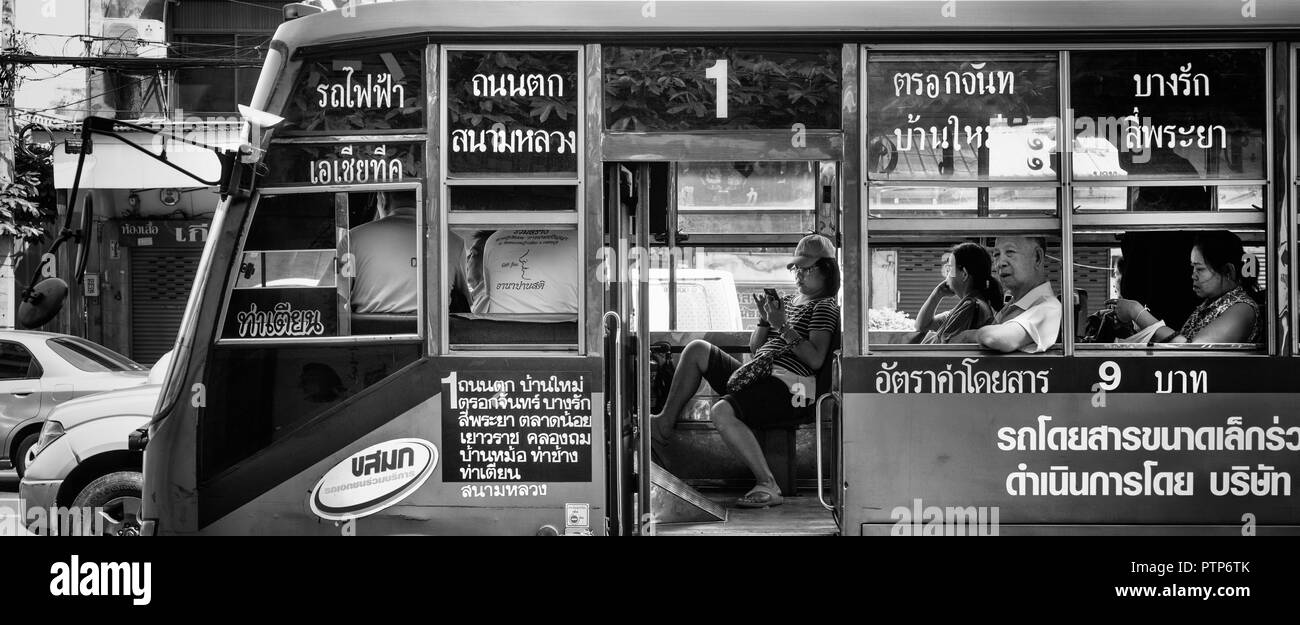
<point>1031,321</point>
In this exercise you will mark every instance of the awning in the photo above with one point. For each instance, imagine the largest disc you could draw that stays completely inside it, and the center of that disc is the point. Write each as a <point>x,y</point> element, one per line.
<point>115,165</point>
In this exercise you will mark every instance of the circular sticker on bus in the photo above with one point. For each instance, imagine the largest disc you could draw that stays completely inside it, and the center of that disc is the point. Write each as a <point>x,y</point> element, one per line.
<point>373,479</point>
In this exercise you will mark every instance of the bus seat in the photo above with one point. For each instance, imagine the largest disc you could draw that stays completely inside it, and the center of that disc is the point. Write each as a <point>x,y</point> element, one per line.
<point>382,324</point>
<point>779,439</point>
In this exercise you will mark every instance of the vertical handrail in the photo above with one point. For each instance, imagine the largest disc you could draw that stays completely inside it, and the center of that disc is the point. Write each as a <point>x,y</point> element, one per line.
<point>615,425</point>
<point>818,437</point>
<point>833,393</point>
<point>643,348</point>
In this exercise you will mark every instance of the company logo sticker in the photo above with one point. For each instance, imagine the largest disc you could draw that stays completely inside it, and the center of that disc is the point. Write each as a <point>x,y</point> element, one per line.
<point>373,479</point>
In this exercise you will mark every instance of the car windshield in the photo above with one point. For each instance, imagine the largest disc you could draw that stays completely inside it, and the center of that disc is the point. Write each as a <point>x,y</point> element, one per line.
<point>88,356</point>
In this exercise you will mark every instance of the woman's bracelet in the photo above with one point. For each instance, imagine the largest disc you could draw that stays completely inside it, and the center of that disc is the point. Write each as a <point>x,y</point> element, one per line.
<point>762,323</point>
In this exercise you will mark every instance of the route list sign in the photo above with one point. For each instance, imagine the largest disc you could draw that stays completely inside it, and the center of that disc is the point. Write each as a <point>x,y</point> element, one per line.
<point>507,426</point>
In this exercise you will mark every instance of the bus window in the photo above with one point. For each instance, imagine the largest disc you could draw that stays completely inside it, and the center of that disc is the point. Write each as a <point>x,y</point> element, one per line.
<point>921,201</point>
<point>512,112</point>
<point>512,150</point>
<point>514,198</point>
<point>318,265</point>
<point>748,197</point>
<point>715,286</point>
<point>676,88</point>
<point>940,294</point>
<point>1159,270</point>
<point>356,93</point>
<point>1095,199</point>
<point>1156,114</point>
<point>962,116</point>
<point>260,396</point>
<point>513,286</point>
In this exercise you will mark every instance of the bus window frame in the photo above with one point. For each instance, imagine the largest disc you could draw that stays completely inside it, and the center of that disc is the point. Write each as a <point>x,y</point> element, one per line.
<point>1293,206</point>
<point>342,287</point>
<point>937,228</point>
<point>439,174</point>
<point>1062,226</point>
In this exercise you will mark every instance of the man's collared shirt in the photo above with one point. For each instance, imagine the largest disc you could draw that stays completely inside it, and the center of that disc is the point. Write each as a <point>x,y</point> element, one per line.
<point>1039,313</point>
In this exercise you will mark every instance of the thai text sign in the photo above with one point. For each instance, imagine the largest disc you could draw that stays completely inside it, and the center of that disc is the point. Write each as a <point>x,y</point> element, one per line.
<point>278,313</point>
<point>513,112</point>
<point>1184,113</point>
<point>506,426</point>
<point>962,116</point>
<point>1047,444</point>
<point>344,163</point>
<point>358,93</point>
<point>162,233</point>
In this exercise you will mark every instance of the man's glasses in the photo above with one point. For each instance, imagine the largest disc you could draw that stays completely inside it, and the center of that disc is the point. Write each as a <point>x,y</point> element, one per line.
<point>801,271</point>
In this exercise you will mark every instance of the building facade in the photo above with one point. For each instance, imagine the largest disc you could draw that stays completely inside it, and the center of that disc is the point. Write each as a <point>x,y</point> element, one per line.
<point>149,221</point>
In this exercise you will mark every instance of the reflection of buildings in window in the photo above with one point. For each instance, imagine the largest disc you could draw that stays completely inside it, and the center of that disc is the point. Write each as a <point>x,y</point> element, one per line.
<point>386,269</point>
<point>774,185</point>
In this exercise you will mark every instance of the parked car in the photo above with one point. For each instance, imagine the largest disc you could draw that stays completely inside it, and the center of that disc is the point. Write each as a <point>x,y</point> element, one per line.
<point>40,370</point>
<point>83,460</point>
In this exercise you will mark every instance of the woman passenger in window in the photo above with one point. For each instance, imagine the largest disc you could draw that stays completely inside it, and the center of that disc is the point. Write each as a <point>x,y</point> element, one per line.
<point>968,276</point>
<point>796,335</point>
<point>1228,312</point>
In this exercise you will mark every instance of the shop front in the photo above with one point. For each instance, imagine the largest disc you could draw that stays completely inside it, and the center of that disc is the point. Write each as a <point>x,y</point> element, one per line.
<point>149,223</point>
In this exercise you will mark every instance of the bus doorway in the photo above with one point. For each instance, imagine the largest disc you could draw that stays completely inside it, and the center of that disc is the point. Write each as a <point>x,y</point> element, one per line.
<point>699,244</point>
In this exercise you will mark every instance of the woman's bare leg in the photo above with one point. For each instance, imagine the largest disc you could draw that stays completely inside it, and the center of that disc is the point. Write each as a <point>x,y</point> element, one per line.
<point>742,441</point>
<point>691,366</point>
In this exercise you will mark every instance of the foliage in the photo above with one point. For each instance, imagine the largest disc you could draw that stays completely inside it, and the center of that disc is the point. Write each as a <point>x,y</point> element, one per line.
<point>665,89</point>
<point>27,205</point>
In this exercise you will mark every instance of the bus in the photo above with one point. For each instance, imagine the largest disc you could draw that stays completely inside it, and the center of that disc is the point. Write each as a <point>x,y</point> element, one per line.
<point>525,166</point>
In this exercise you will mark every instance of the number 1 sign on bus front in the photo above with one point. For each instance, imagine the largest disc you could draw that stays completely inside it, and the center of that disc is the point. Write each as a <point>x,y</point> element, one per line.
<point>505,426</point>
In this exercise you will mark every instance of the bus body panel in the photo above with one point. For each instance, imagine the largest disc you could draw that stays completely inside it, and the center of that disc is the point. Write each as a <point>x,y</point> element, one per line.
<point>444,504</point>
<point>910,454</point>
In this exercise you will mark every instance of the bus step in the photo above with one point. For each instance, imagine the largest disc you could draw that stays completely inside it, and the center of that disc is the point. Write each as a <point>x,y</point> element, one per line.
<point>674,502</point>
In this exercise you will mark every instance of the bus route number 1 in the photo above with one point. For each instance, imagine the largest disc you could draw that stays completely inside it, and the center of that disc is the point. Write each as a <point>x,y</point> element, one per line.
<point>718,73</point>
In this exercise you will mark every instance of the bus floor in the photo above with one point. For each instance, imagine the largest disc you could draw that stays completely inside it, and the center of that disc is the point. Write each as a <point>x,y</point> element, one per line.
<point>798,516</point>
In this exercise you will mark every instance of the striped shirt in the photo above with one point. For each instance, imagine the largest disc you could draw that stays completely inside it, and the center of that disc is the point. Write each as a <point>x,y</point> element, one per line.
<point>818,314</point>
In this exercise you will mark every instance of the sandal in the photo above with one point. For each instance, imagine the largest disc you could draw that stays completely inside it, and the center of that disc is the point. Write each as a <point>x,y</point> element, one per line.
<point>760,497</point>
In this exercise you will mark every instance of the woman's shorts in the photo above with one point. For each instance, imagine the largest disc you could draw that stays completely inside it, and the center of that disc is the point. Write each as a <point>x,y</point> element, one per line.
<point>763,402</point>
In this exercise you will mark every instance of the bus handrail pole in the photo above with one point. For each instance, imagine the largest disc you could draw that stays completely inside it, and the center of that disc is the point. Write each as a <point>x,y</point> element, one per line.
<point>817,435</point>
<point>615,424</point>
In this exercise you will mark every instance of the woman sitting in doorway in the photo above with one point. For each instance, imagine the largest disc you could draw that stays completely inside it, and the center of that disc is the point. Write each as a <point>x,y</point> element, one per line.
<point>967,275</point>
<point>793,338</point>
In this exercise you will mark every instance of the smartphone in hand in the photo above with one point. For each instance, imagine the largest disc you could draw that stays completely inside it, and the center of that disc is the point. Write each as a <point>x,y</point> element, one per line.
<point>772,294</point>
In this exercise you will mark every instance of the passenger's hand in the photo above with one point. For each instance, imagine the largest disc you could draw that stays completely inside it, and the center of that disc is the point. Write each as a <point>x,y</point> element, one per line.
<point>775,313</point>
<point>1128,309</point>
<point>943,290</point>
<point>760,302</point>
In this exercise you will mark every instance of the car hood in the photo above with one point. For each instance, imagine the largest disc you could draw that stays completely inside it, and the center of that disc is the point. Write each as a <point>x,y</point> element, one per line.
<point>137,400</point>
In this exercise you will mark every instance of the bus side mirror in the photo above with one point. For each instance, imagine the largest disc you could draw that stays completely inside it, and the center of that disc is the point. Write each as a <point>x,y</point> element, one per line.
<point>42,302</point>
